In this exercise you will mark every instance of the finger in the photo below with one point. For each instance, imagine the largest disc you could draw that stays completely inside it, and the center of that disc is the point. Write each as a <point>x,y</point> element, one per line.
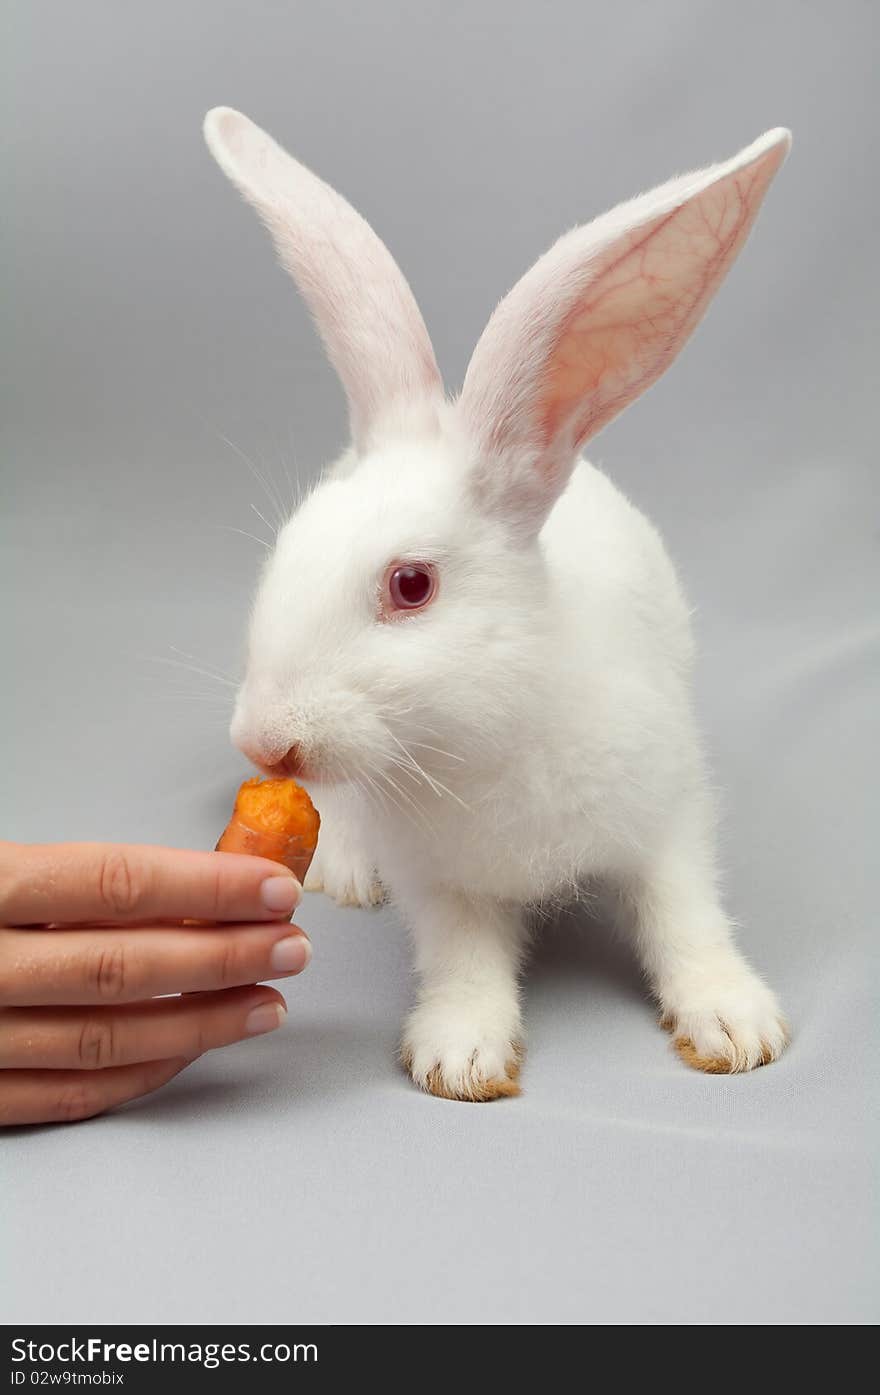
<point>65,1096</point>
<point>69,1039</point>
<point>68,882</point>
<point>66,967</point>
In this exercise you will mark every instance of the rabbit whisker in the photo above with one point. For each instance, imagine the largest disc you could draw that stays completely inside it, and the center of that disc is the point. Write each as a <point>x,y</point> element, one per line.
<point>189,668</point>
<point>194,658</point>
<point>245,534</point>
<point>264,519</point>
<point>418,813</point>
<point>436,785</point>
<point>423,746</point>
<point>270,492</point>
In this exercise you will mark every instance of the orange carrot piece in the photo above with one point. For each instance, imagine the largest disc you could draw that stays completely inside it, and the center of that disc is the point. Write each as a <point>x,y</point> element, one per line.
<point>274,819</point>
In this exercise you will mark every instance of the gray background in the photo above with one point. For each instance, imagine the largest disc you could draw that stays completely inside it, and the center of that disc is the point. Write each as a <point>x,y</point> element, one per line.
<point>300,1177</point>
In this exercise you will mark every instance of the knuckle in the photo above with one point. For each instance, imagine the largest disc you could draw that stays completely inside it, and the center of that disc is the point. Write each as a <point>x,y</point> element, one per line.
<point>107,974</point>
<point>121,884</point>
<point>230,963</point>
<point>96,1046</point>
<point>78,1100</point>
<point>199,1041</point>
<point>215,892</point>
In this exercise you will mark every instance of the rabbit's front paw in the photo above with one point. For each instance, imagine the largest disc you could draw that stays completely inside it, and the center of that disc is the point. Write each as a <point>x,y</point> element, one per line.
<point>459,1054</point>
<point>726,1025</point>
<point>350,881</point>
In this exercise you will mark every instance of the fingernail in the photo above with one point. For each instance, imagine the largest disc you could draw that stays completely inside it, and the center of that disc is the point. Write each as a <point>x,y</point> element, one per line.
<point>280,894</point>
<point>264,1018</point>
<point>290,956</point>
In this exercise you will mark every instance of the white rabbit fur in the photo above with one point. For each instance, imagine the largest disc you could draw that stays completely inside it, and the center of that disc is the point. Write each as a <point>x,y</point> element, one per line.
<point>529,734</point>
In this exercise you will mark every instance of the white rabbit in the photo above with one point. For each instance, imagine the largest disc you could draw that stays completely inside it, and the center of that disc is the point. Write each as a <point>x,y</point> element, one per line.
<point>474,645</point>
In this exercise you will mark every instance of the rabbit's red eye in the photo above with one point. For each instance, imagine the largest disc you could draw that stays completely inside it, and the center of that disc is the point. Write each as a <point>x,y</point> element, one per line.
<point>410,586</point>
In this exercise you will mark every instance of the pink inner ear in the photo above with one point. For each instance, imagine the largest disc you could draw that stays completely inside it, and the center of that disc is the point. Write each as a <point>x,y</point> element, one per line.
<point>645,294</point>
<point>364,309</point>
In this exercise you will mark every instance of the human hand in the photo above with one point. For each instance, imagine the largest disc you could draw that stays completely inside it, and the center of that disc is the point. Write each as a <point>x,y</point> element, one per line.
<point>91,936</point>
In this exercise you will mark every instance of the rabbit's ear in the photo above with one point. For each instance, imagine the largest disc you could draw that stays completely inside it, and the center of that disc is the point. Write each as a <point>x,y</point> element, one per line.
<point>597,320</point>
<point>365,311</point>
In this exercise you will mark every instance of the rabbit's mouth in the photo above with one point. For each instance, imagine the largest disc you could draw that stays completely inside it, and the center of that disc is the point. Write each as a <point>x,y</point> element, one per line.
<point>292,765</point>
<point>296,766</point>
<point>323,737</point>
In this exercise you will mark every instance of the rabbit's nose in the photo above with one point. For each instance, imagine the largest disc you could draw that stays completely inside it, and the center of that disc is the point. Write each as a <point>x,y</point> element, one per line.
<point>265,754</point>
